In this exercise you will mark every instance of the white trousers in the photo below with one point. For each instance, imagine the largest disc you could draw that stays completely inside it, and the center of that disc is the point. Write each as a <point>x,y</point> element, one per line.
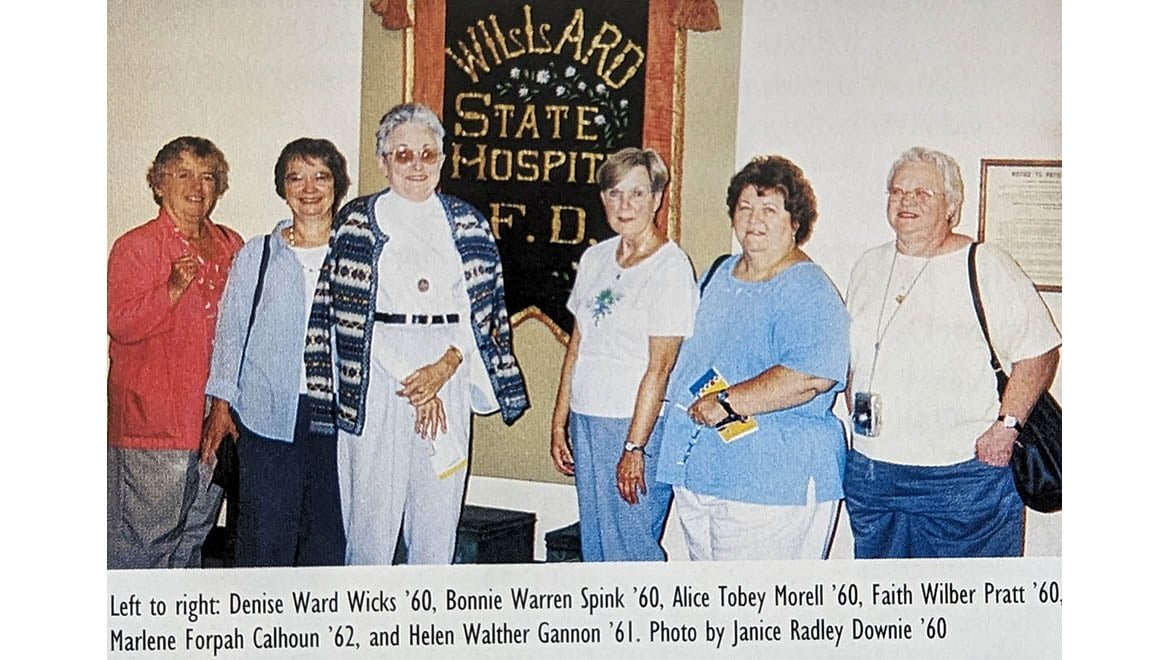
<point>718,529</point>
<point>386,478</point>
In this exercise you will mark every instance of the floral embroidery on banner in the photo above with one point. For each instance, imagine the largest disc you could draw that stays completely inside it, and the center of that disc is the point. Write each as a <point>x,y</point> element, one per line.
<point>568,85</point>
<point>603,304</point>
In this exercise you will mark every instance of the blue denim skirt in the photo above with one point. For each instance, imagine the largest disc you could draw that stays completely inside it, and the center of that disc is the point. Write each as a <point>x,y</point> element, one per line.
<point>969,509</point>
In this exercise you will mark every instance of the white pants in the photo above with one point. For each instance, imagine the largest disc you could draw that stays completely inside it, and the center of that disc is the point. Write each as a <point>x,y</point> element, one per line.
<point>718,529</point>
<point>386,478</point>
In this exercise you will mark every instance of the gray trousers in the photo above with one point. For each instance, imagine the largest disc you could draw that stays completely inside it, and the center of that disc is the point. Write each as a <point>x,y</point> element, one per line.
<point>160,505</point>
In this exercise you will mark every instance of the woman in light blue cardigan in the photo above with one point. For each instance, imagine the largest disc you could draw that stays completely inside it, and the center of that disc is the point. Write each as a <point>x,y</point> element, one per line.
<point>290,511</point>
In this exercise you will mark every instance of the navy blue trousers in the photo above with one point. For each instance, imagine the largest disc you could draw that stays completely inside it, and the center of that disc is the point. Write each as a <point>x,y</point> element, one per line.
<point>290,505</point>
<point>970,509</point>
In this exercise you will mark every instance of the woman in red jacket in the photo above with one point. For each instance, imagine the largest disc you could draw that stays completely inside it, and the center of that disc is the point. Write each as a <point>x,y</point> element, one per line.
<point>164,281</point>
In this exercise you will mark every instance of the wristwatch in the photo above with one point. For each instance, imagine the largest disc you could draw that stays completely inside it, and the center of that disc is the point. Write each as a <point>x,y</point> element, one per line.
<point>633,447</point>
<point>732,416</point>
<point>1010,422</point>
<point>721,397</point>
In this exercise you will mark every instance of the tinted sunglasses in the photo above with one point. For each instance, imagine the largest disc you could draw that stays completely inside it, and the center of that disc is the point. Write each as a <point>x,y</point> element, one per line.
<point>407,156</point>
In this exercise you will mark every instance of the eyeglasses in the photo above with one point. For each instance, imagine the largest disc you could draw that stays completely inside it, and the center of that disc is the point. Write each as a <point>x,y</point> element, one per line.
<point>407,156</point>
<point>188,175</point>
<point>319,178</point>
<point>635,195</point>
<point>921,195</point>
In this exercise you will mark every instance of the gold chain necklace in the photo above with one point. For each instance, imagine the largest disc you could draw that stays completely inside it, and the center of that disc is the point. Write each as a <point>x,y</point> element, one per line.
<point>880,331</point>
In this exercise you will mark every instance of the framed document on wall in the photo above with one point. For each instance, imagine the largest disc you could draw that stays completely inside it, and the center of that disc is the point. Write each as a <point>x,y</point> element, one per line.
<point>1020,210</point>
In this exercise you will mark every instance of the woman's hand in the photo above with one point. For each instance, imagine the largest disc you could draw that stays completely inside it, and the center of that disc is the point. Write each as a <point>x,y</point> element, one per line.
<point>424,383</point>
<point>1030,378</point>
<point>218,424</point>
<point>183,271</point>
<point>994,447</point>
<point>706,411</point>
<point>631,479</point>
<point>430,419</point>
<point>560,446</point>
<point>561,451</point>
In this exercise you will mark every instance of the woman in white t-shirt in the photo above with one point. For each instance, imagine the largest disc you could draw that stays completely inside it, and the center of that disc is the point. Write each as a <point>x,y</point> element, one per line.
<point>634,302</point>
<point>928,473</point>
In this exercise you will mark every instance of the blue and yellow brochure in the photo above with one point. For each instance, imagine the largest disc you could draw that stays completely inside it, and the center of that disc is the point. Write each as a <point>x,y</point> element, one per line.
<point>710,382</point>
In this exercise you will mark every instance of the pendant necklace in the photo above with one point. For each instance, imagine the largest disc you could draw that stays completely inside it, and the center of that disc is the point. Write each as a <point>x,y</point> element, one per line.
<point>899,299</point>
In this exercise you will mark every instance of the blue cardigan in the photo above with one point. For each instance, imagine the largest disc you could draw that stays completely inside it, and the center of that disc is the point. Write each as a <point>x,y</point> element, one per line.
<point>342,317</point>
<point>269,383</point>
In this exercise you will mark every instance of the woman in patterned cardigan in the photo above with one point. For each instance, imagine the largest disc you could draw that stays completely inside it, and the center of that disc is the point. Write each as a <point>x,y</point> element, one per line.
<point>407,336</point>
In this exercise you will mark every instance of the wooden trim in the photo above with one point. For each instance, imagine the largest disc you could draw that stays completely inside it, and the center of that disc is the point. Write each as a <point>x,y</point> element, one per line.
<point>658,122</point>
<point>430,21</point>
<point>408,47</point>
<point>678,121</point>
<point>535,313</point>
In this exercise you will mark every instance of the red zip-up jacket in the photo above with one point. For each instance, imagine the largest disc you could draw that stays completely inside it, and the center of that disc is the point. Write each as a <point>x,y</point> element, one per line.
<point>160,353</point>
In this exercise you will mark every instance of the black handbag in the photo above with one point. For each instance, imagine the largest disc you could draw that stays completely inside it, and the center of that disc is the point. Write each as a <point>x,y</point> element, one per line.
<point>1036,456</point>
<point>227,455</point>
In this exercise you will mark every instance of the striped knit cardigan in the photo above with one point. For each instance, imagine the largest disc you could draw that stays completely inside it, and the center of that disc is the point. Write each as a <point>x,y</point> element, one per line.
<point>342,315</point>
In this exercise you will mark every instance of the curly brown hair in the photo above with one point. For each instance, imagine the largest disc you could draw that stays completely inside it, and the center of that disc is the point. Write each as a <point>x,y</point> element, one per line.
<point>777,173</point>
<point>201,148</point>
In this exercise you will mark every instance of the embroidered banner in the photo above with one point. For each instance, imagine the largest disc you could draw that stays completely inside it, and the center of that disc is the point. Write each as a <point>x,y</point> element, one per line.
<point>534,97</point>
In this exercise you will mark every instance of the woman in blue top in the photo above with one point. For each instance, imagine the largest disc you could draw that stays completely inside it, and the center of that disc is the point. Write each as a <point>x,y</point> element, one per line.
<point>290,510</point>
<point>750,444</point>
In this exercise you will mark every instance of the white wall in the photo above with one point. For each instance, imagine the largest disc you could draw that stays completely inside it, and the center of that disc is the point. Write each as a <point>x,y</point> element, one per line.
<point>842,88</point>
<point>250,76</point>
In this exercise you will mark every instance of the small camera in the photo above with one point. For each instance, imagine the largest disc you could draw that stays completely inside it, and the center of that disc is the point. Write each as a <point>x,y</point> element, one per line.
<point>867,414</point>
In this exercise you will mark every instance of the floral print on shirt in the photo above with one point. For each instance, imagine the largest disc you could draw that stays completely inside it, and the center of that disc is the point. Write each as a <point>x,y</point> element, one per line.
<point>603,304</point>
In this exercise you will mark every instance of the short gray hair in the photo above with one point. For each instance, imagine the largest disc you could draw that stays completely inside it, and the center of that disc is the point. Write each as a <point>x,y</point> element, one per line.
<point>406,113</point>
<point>620,163</point>
<point>946,166</point>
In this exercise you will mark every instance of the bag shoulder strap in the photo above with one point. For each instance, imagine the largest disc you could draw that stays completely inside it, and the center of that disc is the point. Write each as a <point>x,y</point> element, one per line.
<point>973,280</point>
<point>255,299</point>
<point>711,271</point>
